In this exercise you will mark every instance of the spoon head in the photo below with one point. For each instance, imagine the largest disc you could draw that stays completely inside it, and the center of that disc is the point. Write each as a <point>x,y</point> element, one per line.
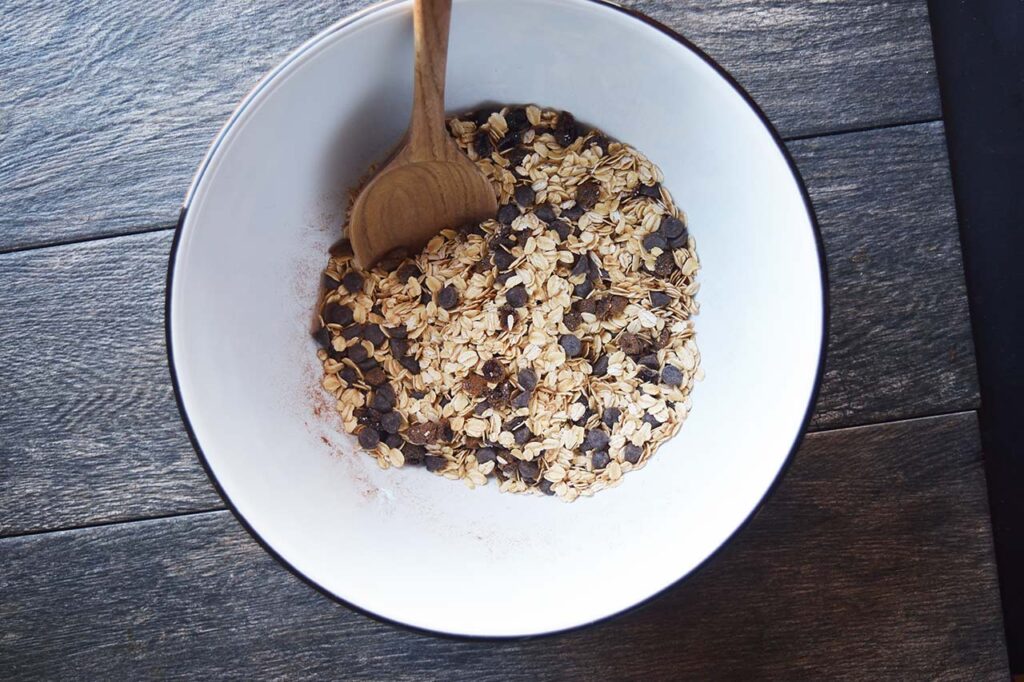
<point>411,201</point>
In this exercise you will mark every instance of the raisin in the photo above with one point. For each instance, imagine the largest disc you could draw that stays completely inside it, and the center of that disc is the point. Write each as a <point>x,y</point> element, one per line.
<point>525,196</point>
<point>353,281</point>
<point>335,313</point>
<point>587,194</point>
<point>649,191</point>
<point>664,265</point>
<point>544,212</point>
<point>369,438</point>
<point>507,213</point>
<point>475,385</point>
<point>482,144</point>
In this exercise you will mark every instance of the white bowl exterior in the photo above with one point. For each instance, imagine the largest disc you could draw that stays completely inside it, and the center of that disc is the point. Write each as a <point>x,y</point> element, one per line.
<point>417,548</point>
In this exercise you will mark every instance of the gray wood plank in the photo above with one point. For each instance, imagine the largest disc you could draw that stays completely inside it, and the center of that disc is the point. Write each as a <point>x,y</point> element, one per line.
<point>88,427</point>
<point>900,341</point>
<point>107,107</point>
<point>872,561</point>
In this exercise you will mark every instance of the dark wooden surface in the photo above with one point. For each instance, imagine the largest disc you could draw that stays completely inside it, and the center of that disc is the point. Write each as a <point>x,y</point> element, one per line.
<point>872,560</point>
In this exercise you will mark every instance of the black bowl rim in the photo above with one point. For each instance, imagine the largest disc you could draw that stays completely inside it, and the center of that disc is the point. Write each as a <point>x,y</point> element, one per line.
<point>812,399</point>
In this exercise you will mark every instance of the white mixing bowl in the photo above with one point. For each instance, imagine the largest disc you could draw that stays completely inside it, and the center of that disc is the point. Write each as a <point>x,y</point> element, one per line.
<point>403,544</point>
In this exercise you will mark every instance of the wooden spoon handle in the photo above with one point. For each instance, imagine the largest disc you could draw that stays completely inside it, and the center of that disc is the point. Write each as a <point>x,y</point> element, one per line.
<point>427,135</point>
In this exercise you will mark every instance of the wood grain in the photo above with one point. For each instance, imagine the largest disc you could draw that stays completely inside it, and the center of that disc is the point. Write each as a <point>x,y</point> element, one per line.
<point>872,561</point>
<point>106,107</point>
<point>900,341</point>
<point>88,427</point>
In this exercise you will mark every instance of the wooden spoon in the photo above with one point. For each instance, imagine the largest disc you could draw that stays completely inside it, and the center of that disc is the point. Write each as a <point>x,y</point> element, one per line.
<point>429,184</point>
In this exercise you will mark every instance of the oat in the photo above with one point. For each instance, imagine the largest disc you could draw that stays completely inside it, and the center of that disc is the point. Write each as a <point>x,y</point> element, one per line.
<point>550,348</point>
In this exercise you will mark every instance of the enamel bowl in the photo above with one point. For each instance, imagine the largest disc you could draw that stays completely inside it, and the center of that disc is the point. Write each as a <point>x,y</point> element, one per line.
<point>414,548</point>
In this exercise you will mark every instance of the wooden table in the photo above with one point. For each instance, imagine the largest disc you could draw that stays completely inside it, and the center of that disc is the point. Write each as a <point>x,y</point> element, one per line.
<point>117,558</point>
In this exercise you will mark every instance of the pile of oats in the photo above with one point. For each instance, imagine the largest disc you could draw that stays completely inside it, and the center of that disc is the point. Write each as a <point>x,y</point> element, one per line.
<point>551,347</point>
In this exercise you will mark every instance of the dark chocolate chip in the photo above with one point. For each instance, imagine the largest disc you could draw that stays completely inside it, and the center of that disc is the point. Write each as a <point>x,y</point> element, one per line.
<point>587,305</point>
<point>352,331</point>
<point>581,268</point>
<point>600,366</point>
<point>587,194</point>
<point>596,439</point>
<point>583,289</point>
<point>399,348</point>
<point>481,407</point>
<point>492,370</point>
<point>353,281</point>
<point>367,364</point>
<point>392,259</point>
<point>516,296</point>
<point>562,228</point>
<point>357,353</point>
<point>521,400</point>
<point>375,377</point>
<point>484,455</point>
<point>482,144</point>
<point>507,213</point>
<point>522,435</point>
<point>323,337</point>
<point>527,379</point>
<point>655,241</point>
<point>395,440</point>
<point>418,394</point>
<point>330,284</point>
<point>525,196</point>
<point>600,141</point>
<point>509,140</point>
<point>391,422</point>
<point>383,398</point>
<point>374,334</point>
<point>632,453</point>
<point>516,119</point>
<point>664,338</point>
<point>411,364</point>
<point>650,360</point>
<point>447,434</point>
<point>546,486</point>
<point>671,376</point>
<point>507,316</point>
<point>664,265</point>
<point>435,463</point>
<point>502,259</point>
<point>649,191</point>
<point>566,130</point>
<point>646,374</point>
<point>369,438</point>
<point>571,345</point>
<point>659,299</point>
<point>479,116</point>
<point>514,423</point>
<point>425,297</point>
<point>448,297</point>
<point>611,416</point>
<point>399,332</point>
<point>544,212</point>
<point>335,313</point>
<point>348,375</point>
<point>600,459</point>
<point>515,159</point>
<point>652,420</point>
<point>409,270</point>
<point>573,213</point>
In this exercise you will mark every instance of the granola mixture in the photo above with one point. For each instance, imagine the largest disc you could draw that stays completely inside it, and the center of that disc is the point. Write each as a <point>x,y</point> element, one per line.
<point>550,348</point>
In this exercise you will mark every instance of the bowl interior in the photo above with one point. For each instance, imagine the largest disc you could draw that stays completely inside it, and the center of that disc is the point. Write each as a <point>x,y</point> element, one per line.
<point>413,547</point>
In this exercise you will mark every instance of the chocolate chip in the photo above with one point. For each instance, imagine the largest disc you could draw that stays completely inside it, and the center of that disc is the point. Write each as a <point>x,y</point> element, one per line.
<point>352,332</point>
<point>368,438</point>
<point>659,299</point>
<point>392,259</point>
<point>530,471</point>
<point>572,320</point>
<point>630,344</point>
<point>335,313</point>
<point>581,268</point>
<point>587,194</point>
<point>516,296</point>
<point>399,348</point>
<point>544,212</point>
<point>649,191</point>
<point>671,376</point>
<point>525,196</point>
<point>418,394</point>
<point>573,213</point>
<point>391,422</point>
<point>479,116</point>
<point>330,284</point>
<point>655,241</point>
<point>323,337</point>
<point>632,453</point>
<point>672,228</point>
<point>600,366</point>
<point>502,259</point>
<point>600,141</point>
<point>399,332</point>
<point>482,144</point>
<point>583,289</point>
<point>374,334</point>
<point>566,130</point>
<point>514,423</point>
<point>562,228</point>
<point>353,281</point>
<point>395,440</point>
<point>600,459</point>
<point>527,379</point>
<point>422,434</point>
<point>447,434</point>
<point>435,463</point>
<point>367,364</point>
<point>492,370</point>
<point>375,377</point>
<point>448,297</point>
<point>409,270</point>
<point>571,345</point>
<point>679,242</point>
<point>516,119</point>
<point>509,140</point>
<point>521,400</point>
<point>596,439</point>
<point>652,420</point>
<point>411,364</point>
<point>484,455</point>
<point>348,375</point>
<point>357,353</point>
<point>611,416</point>
<point>649,360</point>
<point>515,159</point>
<point>383,398</point>
<point>522,435</point>
<point>546,486</point>
<point>481,407</point>
<point>475,385</point>
<point>664,265</point>
<point>503,277</point>
<point>425,297</point>
<point>507,213</point>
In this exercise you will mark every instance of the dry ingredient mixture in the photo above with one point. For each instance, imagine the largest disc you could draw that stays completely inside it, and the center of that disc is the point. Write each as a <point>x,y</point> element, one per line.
<point>550,348</point>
